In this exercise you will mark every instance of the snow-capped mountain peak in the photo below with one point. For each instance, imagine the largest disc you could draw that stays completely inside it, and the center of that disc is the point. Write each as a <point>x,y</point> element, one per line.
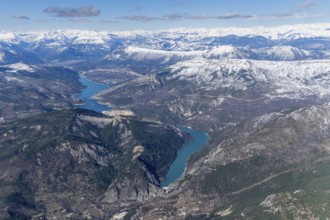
<point>287,53</point>
<point>227,51</point>
<point>8,37</point>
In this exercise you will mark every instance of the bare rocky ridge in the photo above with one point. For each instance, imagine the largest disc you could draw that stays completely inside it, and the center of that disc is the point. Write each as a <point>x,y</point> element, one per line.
<point>76,160</point>
<point>27,90</point>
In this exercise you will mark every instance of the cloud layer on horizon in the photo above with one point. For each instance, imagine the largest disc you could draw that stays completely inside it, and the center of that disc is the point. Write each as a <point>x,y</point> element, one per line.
<point>225,16</point>
<point>87,20</point>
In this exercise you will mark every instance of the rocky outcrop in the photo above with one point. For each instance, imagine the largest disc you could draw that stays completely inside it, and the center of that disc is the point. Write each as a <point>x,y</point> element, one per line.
<point>138,184</point>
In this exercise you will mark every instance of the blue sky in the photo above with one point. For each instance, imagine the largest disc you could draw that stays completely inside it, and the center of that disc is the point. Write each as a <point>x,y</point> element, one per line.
<point>114,15</point>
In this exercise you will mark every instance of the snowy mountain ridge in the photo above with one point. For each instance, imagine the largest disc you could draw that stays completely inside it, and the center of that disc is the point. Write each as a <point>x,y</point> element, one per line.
<point>75,36</point>
<point>296,42</point>
<point>277,53</point>
<point>154,54</point>
<point>284,79</point>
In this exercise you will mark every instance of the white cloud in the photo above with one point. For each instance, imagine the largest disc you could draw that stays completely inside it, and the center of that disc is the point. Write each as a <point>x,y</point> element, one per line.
<point>305,5</point>
<point>87,11</point>
<point>21,17</point>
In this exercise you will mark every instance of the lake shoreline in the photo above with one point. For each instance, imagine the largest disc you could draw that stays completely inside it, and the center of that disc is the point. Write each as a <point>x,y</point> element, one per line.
<point>177,168</point>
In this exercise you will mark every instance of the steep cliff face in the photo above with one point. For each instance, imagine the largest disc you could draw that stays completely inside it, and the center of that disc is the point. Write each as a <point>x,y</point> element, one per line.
<point>149,149</point>
<point>137,184</point>
<point>68,162</point>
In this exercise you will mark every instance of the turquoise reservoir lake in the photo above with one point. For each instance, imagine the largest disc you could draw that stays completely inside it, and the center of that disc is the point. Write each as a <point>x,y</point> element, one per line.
<point>87,93</point>
<point>199,138</point>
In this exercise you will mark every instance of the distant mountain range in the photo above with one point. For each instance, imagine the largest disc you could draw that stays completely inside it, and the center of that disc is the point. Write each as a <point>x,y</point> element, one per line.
<point>284,43</point>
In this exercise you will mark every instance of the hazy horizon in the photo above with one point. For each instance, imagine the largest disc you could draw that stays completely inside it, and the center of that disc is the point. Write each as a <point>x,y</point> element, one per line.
<point>128,15</point>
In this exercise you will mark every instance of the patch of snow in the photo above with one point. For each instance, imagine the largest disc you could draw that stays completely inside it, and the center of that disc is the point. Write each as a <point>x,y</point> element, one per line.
<point>152,54</point>
<point>20,66</point>
<point>225,212</point>
<point>12,78</point>
<point>2,56</point>
<point>119,216</point>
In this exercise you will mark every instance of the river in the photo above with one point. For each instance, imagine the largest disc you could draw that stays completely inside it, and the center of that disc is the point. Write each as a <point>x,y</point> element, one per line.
<point>199,138</point>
